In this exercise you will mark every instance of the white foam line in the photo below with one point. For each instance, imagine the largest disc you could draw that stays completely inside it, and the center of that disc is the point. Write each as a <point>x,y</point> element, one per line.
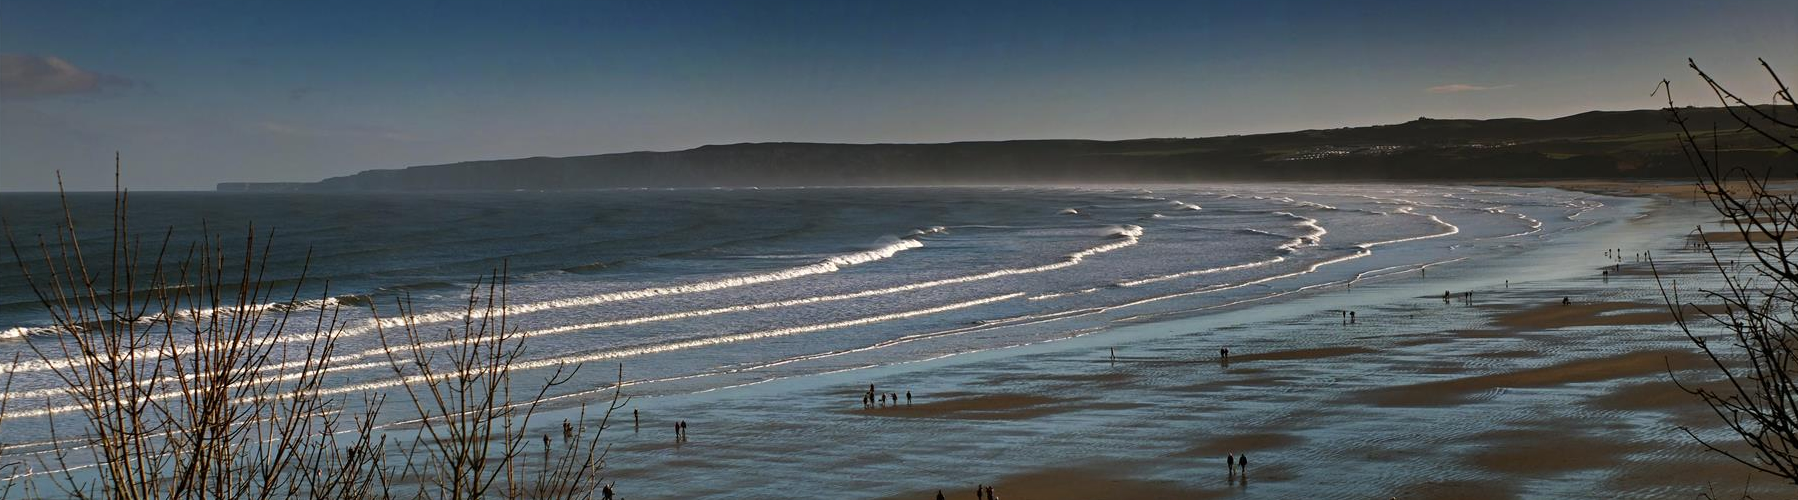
<point>828,265</point>
<point>607,354</point>
<point>1452,229</point>
<point>1535,225</point>
<point>1313,238</point>
<point>1401,269</point>
<point>1130,236</point>
<point>998,324</point>
<point>1361,250</point>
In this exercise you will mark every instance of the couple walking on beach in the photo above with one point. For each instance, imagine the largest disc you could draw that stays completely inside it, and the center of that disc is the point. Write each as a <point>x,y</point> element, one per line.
<point>1237,461</point>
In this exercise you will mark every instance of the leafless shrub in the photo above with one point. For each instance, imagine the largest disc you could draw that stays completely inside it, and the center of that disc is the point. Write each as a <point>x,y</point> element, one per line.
<point>1755,356</point>
<point>473,441</point>
<point>193,384</point>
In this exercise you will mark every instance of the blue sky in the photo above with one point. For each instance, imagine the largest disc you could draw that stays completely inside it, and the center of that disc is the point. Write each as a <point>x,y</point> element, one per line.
<point>195,93</point>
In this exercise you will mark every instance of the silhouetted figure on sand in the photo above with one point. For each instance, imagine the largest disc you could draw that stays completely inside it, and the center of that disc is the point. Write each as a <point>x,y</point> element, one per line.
<point>1230,460</point>
<point>939,494</point>
<point>1445,296</point>
<point>606,493</point>
<point>636,422</point>
<point>1351,317</point>
<point>1566,301</point>
<point>1243,463</point>
<point>907,398</point>
<point>980,492</point>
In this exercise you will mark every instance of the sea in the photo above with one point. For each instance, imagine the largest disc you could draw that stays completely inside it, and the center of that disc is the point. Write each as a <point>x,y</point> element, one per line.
<point>696,290</point>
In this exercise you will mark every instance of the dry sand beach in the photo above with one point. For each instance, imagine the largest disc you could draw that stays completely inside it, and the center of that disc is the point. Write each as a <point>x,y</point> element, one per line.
<point>1511,394</point>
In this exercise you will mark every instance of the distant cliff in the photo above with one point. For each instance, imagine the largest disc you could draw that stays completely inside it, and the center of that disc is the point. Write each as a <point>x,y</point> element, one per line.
<point>1599,144</point>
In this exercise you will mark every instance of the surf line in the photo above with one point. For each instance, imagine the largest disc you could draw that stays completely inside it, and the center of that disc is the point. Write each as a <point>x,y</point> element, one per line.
<point>554,362</point>
<point>1126,236</point>
<point>828,265</point>
<point>1312,238</point>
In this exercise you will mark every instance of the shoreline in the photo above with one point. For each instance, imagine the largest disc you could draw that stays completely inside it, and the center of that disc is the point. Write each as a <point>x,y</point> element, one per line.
<point>1287,398</point>
<point>1492,396</point>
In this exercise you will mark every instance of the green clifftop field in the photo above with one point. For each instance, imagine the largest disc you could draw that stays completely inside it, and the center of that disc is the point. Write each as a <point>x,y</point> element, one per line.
<point>1598,144</point>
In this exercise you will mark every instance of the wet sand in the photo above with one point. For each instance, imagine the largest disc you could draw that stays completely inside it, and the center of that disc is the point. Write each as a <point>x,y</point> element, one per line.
<point>1074,483</point>
<point>1731,235</point>
<point>1516,396</point>
<point>1460,390</point>
<point>980,406</point>
<point>1546,446</point>
<point>1553,314</point>
<point>1297,354</point>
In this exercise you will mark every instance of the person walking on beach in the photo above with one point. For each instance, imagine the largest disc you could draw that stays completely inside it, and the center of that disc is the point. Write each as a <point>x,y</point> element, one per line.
<point>939,494</point>
<point>636,421</point>
<point>1566,301</point>
<point>1351,317</point>
<point>606,492</point>
<point>1242,461</point>
<point>907,398</point>
<point>1230,460</point>
<point>980,492</point>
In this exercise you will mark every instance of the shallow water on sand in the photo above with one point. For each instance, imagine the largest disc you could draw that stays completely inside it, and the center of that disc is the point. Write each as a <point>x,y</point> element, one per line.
<point>1418,398</point>
<point>700,289</point>
<point>760,316</point>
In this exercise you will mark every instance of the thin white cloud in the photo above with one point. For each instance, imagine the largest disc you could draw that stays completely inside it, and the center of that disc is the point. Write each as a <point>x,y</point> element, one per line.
<point>1463,87</point>
<point>26,76</point>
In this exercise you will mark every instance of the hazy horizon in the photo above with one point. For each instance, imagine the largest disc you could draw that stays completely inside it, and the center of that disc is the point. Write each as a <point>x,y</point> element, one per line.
<point>194,94</point>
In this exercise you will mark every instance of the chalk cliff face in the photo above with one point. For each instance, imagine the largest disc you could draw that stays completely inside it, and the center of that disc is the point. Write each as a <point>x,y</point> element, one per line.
<point>1599,144</point>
